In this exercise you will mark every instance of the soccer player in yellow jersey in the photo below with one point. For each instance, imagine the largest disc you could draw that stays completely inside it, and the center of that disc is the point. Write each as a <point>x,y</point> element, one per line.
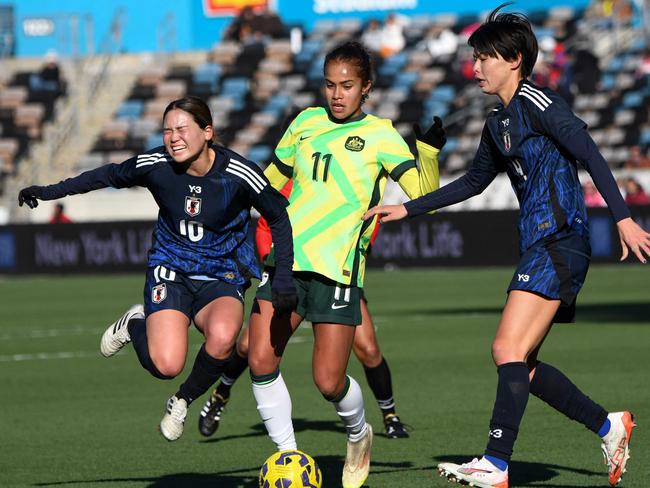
<point>339,159</point>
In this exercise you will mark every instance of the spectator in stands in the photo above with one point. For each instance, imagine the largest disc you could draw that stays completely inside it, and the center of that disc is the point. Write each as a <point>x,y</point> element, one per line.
<point>440,41</point>
<point>609,13</point>
<point>49,78</point>
<point>634,192</point>
<point>586,71</point>
<point>241,28</point>
<point>392,35</point>
<point>372,36</point>
<point>636,159</point>
<point>59,216</point>
<point>644,66</point>
<point>268,24</point>
<point>593,198</point>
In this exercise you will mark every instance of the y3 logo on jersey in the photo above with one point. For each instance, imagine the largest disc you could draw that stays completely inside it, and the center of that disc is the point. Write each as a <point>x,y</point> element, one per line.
<point>523,277</point>
<point>195,189</point>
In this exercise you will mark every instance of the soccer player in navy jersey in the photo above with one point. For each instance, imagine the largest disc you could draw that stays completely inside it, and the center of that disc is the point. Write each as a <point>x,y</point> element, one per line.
<point>200,262</point>
<point>536,139</point>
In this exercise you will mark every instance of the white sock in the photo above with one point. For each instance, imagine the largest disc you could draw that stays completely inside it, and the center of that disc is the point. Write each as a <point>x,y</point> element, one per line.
<point>274,406</point>
<point>351,411</point>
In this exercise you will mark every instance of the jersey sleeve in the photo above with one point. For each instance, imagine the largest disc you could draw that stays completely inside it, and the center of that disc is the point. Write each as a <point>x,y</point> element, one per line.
<point>280,170</point>
<point>558,121</point>
<point>273,207</point>
<point>480,174</point>
<point>122,175</point>
<point>399,162</point>
<point>263,238</point>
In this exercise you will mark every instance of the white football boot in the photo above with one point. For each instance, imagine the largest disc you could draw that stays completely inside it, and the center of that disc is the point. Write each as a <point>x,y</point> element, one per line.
<point>117,334</point>
<point>616,444</point>
<point>171,425</point>
<point>478,472</point>
<point>357,461</point>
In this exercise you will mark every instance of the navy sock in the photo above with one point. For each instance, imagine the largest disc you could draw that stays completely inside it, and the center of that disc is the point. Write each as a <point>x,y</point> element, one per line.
<point>604,430</point>
<point>553,387</point>
<point>235,366</point>
<point>509,406</point>
<point>204,374</point>
<point>379,381</point>
<point>138,331</point>
<point>499,463</point>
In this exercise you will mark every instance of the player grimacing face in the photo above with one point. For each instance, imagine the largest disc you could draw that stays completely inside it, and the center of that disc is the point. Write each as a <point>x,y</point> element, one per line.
<point>496,76</point>
<point>344,89</point>
<point>184,140</point>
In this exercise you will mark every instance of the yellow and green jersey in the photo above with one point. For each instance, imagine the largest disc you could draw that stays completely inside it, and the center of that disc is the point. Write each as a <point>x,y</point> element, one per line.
<point>339,171</point>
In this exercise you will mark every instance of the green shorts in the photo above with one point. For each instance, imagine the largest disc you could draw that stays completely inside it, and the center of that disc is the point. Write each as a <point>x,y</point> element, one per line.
<point>319,298</point>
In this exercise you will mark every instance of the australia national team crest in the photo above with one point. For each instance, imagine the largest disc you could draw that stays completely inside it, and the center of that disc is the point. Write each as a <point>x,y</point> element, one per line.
<point>355,143</point>
<point>507,143</point>
<point>159,293</point>
<point>192,206</point>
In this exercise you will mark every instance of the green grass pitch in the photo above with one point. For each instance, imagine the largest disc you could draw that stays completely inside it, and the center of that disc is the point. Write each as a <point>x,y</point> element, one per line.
<point>70,418</point>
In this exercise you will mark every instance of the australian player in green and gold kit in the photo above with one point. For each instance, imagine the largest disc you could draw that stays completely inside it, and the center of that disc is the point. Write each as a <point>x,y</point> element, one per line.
<point>339,159</point>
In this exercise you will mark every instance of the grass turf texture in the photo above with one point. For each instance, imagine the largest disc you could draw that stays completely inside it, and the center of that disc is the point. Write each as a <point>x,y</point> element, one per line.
<point>72,418</point>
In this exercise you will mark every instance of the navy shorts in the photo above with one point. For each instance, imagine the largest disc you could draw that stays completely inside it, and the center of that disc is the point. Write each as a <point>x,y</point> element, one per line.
<point>165,289</point>
<point>555,267</point>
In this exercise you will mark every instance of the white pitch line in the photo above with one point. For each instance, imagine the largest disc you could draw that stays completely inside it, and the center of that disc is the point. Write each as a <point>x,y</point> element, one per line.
<point>44,333</point>
<point>47,356</point>
<point>41,356</point>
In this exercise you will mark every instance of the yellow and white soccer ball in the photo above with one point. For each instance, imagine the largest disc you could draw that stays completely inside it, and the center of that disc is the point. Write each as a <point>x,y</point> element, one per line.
<point>290,469</point>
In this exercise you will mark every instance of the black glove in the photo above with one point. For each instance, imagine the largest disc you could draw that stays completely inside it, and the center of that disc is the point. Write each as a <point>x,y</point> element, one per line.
<point>285,300</point>
<point>29,196</point>
<point>434,136</point>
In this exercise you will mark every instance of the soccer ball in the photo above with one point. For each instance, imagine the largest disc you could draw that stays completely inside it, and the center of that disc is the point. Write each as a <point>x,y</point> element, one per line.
<point>290,469</point>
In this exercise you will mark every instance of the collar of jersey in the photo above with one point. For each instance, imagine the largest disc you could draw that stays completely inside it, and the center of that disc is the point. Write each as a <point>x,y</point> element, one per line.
<point>361,116</point>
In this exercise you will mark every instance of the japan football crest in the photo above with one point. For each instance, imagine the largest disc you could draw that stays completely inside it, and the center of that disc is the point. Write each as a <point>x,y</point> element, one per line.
<point>507,144</point>
<point>159,293</point>
<point>192,206</point>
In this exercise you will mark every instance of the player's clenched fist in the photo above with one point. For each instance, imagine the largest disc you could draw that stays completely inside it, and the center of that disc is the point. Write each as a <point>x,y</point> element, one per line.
<point>29,196</point>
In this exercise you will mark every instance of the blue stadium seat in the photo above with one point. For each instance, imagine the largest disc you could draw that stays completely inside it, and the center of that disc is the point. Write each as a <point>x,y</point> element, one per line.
<point>443,93</point>
<point>277,103</point>
<point>130,110</point>
<point>209,74</point>
<point>237,86</point>
<point>393,64</point>
<point>406,79</point>
<point>259,154</point>
<point>154,140</point>
<point>632,99</point>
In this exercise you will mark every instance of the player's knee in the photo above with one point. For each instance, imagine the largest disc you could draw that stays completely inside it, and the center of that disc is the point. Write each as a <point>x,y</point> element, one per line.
<point>219,346</point>
<point>167,365</point>
<point>260,366</point>
<point>329,385</point>
<point>368,354</point>
<point>504,351</point>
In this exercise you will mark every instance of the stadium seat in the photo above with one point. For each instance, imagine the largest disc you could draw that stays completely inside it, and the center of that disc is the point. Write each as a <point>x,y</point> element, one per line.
<point>260,154</point>
<point>130,110</point>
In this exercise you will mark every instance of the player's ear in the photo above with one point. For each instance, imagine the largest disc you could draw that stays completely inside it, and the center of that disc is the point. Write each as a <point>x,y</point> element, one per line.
<point>209,133</point>
<point>515,64</point>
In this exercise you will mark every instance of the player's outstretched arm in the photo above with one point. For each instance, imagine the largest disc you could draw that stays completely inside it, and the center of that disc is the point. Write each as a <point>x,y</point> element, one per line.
<point>634,238</point>
<point>387,213</point>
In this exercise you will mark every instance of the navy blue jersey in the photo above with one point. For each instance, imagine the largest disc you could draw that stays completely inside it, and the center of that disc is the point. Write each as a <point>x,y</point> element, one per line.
<point>202,225</point>
<point>536,140</point>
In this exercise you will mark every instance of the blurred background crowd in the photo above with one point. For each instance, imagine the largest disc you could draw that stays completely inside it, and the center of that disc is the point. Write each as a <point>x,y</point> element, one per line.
<point>82,102</point>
